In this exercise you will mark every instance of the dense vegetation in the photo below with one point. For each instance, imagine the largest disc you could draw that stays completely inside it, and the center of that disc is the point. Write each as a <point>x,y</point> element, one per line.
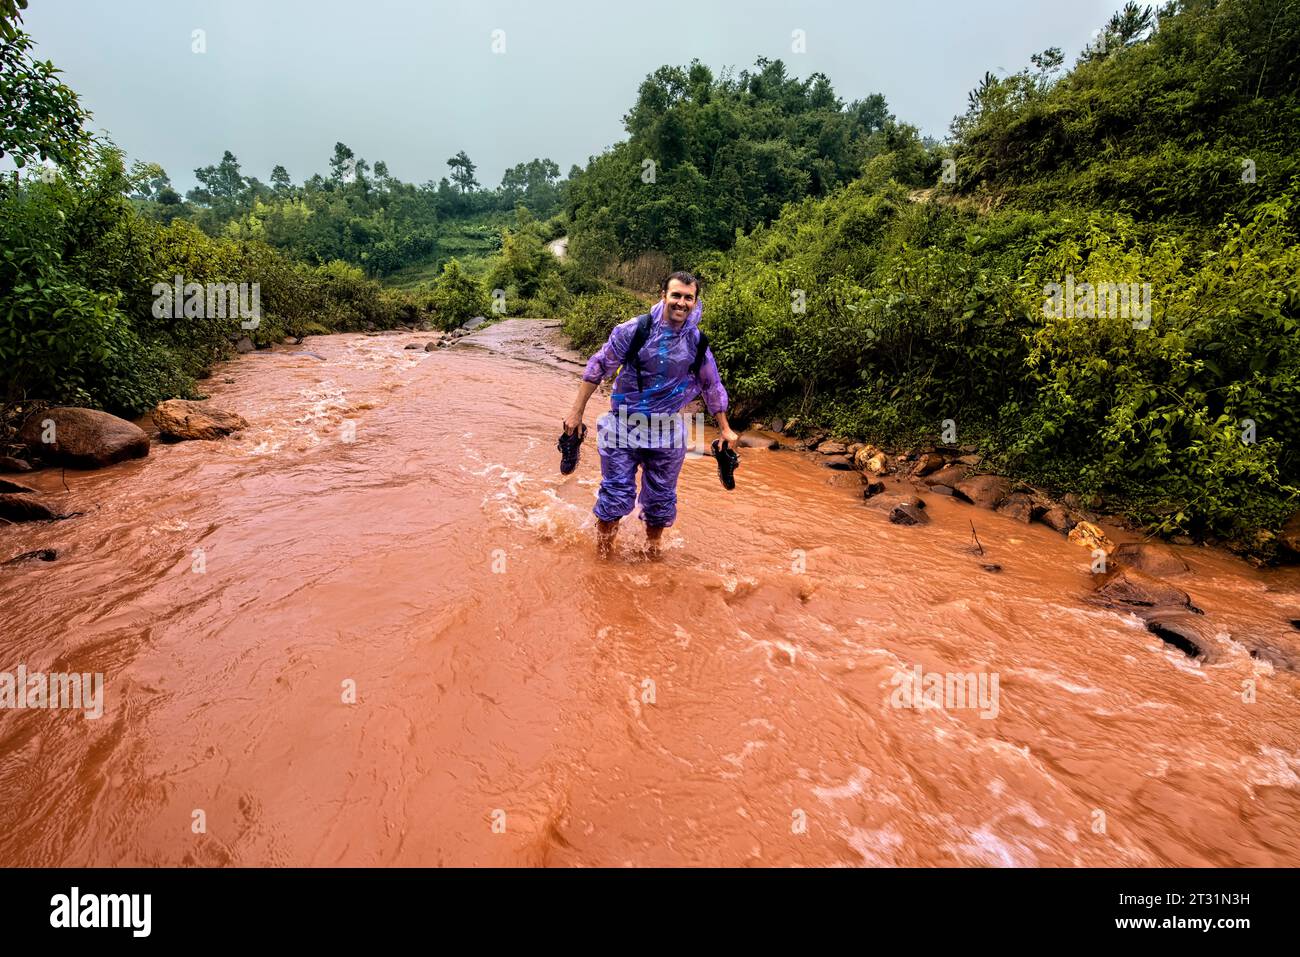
<point>925,305</point>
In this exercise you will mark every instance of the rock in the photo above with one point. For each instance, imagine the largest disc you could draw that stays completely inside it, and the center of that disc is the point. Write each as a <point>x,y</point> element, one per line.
<point>942,490</point>
<point>1184,630</point>
<point>181,419</point>
<point>994,567</point>
<point>971,460</point>
<point>25,508</point>
<point>854,448</point>
<point>412,345</point>
<point>777,425</point>
<point>832,448</point>
<point>948,476</point>
<point>865,454</point>
<point>1128,586</point>
<point>873,488</point>
<point>1058,519</point>
<point>1289,534</point>
<point>472,324</point>
<point>838,462</point>
<point>968,448</point>
<point>10,464</point>
<point>1019,506</point>
<point>986,491</point>
<point>83,438</point>
<point>905,514</point>
<point>15,487</point>
<point>888,501</point>
<point>40,554</point>
<point>244,346</point>
<point>1150,558</point>
<point>288,341</point>
<point>431,345</point>
<point>1090,536</point>
<point>927,463</point>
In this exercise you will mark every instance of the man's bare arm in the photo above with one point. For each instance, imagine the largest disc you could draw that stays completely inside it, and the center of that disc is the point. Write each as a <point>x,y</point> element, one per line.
<point>573,420</point>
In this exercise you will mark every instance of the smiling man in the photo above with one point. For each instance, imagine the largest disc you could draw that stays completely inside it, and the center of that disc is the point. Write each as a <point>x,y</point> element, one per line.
<point>663,362</point>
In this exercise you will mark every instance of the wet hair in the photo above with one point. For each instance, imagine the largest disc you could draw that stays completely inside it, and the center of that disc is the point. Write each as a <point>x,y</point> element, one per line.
<point>681,276</point>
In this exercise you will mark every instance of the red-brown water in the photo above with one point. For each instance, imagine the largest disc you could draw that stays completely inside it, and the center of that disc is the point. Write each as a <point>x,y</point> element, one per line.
<point>519,702</point>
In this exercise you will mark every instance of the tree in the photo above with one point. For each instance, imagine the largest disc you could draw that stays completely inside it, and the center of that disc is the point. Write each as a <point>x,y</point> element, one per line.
<point>462,172</point>
<point>342,163</point>
<point>280,181</point>
<point>40,117</point>
<point>220,184</point>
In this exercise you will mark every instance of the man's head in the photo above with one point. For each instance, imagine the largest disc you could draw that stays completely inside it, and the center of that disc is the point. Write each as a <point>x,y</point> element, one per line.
<point>681,291</point>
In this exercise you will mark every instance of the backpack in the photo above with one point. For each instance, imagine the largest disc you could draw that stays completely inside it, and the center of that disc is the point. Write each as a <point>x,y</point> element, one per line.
<point>642,334</point>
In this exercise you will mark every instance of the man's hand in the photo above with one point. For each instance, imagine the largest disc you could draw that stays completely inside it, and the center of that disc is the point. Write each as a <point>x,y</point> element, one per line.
<point>730,437</point>
<point>573,422</point>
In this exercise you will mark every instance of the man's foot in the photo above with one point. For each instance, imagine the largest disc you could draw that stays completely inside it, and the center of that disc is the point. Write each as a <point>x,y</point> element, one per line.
<point>605,533</point>
<point>652,535</point>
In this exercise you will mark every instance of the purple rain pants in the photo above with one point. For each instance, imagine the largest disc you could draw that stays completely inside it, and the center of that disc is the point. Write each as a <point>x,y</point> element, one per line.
<point>659,471</point>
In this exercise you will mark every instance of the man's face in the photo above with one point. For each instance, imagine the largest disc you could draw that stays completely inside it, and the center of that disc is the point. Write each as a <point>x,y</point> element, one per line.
<point>679,300</point>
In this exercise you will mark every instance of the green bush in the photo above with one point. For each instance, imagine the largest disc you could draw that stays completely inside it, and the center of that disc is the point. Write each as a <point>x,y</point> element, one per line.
<point>589,319</point>
<point>457,297</point>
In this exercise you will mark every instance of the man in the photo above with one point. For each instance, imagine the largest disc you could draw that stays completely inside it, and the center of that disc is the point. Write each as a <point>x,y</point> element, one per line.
<point>656,384</point>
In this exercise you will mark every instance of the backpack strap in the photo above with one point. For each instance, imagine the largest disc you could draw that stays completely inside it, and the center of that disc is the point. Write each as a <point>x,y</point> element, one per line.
<point>639,337</point>
<point>701,347</point>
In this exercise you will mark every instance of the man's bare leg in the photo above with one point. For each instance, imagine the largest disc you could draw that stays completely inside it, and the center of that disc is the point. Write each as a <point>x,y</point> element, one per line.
<point>652,535</point>
<point>605,532</point>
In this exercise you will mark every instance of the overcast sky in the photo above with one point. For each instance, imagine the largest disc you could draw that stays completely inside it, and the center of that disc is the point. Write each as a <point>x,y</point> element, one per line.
<point>412,82</point>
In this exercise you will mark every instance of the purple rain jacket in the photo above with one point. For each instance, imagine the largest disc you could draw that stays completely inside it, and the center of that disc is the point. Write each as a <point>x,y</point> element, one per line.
<point>666,361</point>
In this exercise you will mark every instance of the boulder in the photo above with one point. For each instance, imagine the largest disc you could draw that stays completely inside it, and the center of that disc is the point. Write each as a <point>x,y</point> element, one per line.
<point>986,491</point>
<point>1128,586</point>
<point>1057,518</point>
<point>907,514</point>
<point>16,487</point>
<point>10,464</point>
<point>431,345</point>
<point>472,324</point>
<point>971,460</point>
<point>889,501</point>
<point>1289,535</point>
<point>181,419</point>
<point>927,463</point>
<point>1090,536</point>
<point>40,554</point>
<point>942,490</point>
<point>1150,558</point>
<point>948,476</point>
<point>412,345</point>
<point>26,508</point>
<point>83,438</point>
<point>832,448</point>
<point>838,462</point>
<point>244,345</point>
<point>1019,506</point>
<point>865,454</point>
<point>777,425</point>
<point>873,488</point>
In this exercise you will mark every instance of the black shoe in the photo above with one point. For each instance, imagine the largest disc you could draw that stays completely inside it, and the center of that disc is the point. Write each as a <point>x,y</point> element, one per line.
<point>728,462</point>
<point>568,445</point>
